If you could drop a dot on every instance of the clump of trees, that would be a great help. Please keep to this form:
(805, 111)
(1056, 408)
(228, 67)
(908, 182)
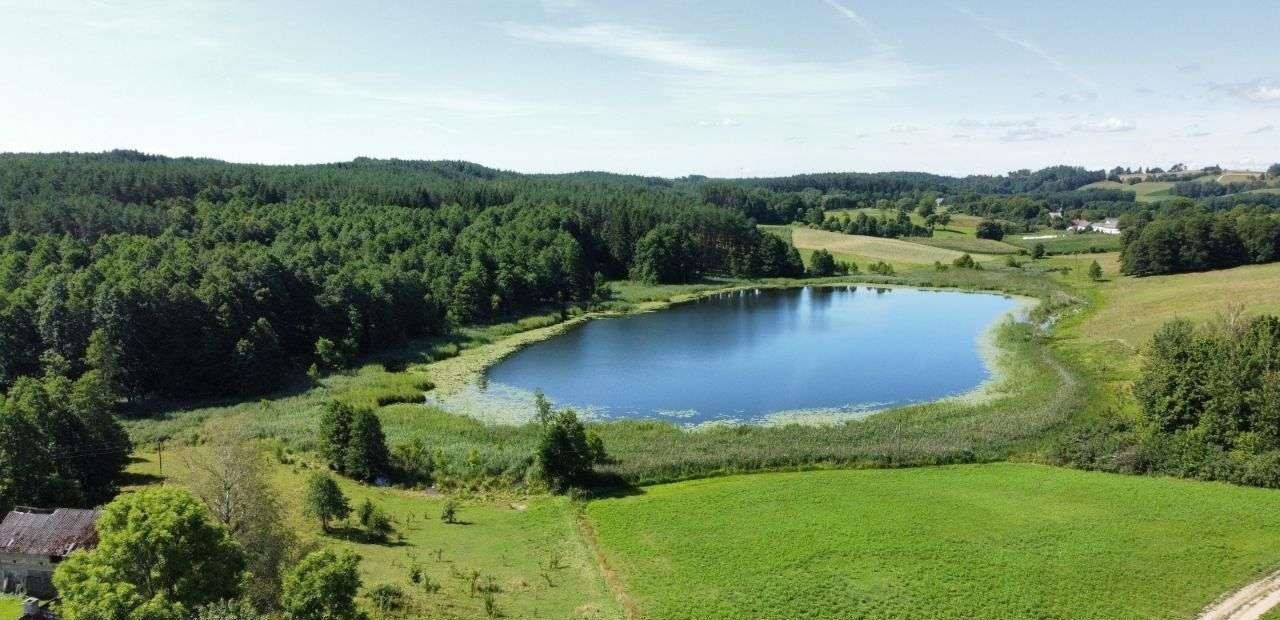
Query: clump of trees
(60, 444)
(884, 225)
(989, 229)
(567, 452)
(352, 442)
(1210, 398)
(1198, 241)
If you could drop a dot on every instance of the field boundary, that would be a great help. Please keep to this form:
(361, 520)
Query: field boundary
(588, 532)
(1248, 603)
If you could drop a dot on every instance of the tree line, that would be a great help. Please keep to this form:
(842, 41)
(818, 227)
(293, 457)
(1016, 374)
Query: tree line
(196, 277)
(1210, 399)
(1197, 240)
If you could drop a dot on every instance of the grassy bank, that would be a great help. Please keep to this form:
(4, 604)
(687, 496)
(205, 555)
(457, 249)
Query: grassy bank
(985, 541)
(527, 549)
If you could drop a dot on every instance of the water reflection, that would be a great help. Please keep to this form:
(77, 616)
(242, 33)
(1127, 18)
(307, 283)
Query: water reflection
(745, 354)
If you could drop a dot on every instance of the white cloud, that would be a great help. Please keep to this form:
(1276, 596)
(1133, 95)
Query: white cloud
(990, 25)
(722, 122)
(699, 66)
(905, 129)
(870, 31)
(1029, 134)
(1257, 91)
(1078, 97)
(1263, 129)
(995, 122)
(1106, 125)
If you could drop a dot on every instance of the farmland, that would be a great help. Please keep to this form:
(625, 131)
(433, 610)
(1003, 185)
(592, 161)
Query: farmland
(991, 541)
(1060, 242)
(863, 248)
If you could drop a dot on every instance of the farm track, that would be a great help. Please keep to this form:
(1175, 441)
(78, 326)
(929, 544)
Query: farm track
(611, 577)
(1248, 603)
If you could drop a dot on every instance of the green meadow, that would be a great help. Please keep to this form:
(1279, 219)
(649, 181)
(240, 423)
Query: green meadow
(987, 541)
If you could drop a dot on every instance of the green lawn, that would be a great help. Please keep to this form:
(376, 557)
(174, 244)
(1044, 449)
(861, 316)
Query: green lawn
(1065, 242)
(10, 607)
(979, 541)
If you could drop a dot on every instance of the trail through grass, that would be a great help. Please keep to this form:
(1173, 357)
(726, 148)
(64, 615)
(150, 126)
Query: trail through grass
(983, 541)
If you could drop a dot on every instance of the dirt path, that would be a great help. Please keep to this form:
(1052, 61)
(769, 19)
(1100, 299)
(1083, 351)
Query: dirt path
(629, 606)
(1247, 603)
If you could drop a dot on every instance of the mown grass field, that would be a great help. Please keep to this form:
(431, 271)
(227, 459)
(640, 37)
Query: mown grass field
(529, 547)
(1146, 191)
(1065, 242)
(983, 541)
(1134, 308)
(10, 607)
(870, 249)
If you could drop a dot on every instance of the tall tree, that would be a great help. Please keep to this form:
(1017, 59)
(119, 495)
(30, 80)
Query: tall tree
(159, 556)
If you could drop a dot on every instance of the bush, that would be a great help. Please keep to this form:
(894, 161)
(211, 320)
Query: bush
(387, 597)
(990, 229)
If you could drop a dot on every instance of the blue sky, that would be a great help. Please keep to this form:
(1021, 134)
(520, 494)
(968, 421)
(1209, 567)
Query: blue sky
(661, 87)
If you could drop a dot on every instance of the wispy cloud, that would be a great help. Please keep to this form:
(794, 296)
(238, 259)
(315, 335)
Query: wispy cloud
(1263, 129)
(1257, 91)
(995, 122)
(1105, 125)
(721, 122)
(872, 34)
(1030, 134)
(693, 65)
(451, 100)
(991, 26)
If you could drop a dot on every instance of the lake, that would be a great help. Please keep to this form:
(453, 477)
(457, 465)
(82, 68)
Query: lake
(758, 355)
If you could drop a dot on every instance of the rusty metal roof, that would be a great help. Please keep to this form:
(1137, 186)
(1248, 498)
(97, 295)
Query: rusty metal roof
(48, 532)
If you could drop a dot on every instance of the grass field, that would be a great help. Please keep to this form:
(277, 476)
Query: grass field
(1135, 307)
(10, 607)
(529, 546)
(1067, 243)
(985, 541)
(1146, 191)
(870, 249)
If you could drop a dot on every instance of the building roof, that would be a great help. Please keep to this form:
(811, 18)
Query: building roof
(48, 532)
(1110, 222)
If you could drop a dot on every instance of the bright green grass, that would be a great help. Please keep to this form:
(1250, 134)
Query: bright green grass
(1146, 191)
(964, 243)
(10, 607)
(985, 541)
(1067, 243)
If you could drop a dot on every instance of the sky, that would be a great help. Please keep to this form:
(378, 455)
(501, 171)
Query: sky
(661, 87)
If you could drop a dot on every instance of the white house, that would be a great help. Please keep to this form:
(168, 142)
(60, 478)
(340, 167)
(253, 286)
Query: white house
(1109, 226)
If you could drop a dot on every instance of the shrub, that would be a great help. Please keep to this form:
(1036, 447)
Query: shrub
(387, 597)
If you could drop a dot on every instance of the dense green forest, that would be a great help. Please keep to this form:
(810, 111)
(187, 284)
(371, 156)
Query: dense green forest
(182, 277)
(1197, 240)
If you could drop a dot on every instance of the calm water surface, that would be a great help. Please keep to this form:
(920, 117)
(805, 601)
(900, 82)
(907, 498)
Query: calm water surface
(746, 355)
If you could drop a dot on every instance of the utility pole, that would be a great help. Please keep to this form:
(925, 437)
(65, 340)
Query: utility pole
(160, 455)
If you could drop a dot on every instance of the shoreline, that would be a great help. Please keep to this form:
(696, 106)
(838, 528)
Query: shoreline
(454, 377)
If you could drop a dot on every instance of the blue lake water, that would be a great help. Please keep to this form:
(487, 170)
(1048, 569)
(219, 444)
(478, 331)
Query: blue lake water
(746, 356)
